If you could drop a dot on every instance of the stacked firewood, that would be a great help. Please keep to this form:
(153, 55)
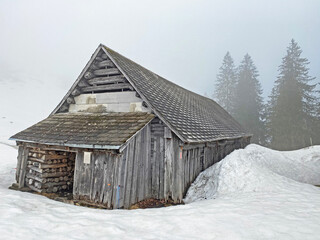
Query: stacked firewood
(50, 171)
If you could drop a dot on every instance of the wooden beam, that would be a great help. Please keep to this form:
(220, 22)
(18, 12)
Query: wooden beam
(46, 147)
(35, 189)
(24, 158)
(55, 157)
(20, 151)
(105, 63)
(94, 66)
(70, 100)
(104, 56)
(82, 83)
(64, 108)
(34, 177)
(108, 71)
(106, 80)
(167, 133)
(88, 75)
(75, 92)
(36, 169)
(51, 147)
(193, 146)
(107, 87)
(37, 160)
(144, 104)
(42, 166)
(55, 174)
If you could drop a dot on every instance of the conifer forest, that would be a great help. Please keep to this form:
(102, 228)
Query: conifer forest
(289, 118)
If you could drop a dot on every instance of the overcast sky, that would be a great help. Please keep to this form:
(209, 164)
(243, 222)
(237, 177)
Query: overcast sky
(183, 41)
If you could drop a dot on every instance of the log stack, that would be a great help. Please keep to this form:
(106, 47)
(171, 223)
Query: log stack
(50, 171)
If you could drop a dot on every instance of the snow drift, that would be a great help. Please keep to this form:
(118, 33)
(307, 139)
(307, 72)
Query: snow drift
(258, 169)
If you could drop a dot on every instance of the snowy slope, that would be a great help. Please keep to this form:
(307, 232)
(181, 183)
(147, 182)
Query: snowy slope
(259, 201)
(25, 100)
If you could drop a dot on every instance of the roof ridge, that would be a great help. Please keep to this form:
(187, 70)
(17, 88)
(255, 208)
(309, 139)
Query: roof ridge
(109, 49)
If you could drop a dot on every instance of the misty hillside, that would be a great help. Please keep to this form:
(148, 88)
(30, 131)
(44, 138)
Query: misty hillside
(26, 100)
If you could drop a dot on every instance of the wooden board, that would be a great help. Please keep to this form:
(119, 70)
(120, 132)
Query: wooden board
(19, 159)
(109, 181)
(135, 169)
(168, 169)
(22, 175)
(106, 80)
(108, 71)
(129, 174)
(107, 87)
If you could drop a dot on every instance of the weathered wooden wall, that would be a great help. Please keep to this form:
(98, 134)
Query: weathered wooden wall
(196, 158)
(120, 180)
(157, 159)
(116, 180)
(184, 162)
(154, 164)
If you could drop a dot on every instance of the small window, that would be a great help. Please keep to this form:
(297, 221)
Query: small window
(86, 157)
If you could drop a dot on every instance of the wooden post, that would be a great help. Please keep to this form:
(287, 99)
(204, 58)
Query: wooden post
(23, 166)
(20, 150)
(168, 158)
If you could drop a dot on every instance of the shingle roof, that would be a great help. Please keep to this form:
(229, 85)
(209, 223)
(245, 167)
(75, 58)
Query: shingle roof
(108, 131)
(193, 117)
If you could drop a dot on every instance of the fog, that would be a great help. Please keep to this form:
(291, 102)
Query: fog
(183, 41)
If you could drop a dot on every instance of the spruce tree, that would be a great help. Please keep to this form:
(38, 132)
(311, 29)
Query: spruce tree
(226, 83)
(249, 103)
(292, 117)
(317, 138)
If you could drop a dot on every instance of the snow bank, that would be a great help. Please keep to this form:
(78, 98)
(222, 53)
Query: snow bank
(259, 169)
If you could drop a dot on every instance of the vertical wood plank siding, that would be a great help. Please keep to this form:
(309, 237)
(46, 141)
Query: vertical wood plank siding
(154, 164)
(19, 158)
(22, 165)
(117, 180)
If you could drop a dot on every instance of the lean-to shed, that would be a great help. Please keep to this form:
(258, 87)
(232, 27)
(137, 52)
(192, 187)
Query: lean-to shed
(123, 134)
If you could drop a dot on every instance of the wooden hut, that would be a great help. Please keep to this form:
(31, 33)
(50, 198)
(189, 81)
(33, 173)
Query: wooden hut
(123, 134)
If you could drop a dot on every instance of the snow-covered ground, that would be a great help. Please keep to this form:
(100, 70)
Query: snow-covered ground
(254, 193)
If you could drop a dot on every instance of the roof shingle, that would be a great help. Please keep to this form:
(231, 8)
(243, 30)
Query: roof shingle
(194, 117)
(85, 129)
